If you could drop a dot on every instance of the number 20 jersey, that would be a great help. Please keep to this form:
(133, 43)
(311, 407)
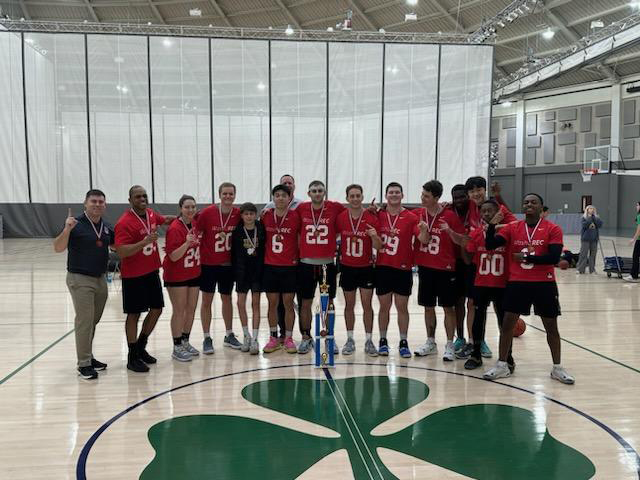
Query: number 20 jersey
(492, 266)
(397, 239)
(214, 249)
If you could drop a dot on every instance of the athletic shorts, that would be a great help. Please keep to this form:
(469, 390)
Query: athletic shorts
(220, 275)
(393, 280)
(140, 294)
(483, 296)
(352, 278)
(436, 287)
(277, 279)
(310, 276)
(519, 297)
(465, 277)
(192, 282)
(253, 284)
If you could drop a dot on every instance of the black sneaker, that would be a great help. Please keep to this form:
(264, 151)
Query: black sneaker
(465, 352)
(137, 365)
(473, 363)
(146, 358)
(98, 365)
(383, 347)
(88, 373)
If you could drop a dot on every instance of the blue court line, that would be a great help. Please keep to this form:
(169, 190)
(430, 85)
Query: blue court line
(81, 467)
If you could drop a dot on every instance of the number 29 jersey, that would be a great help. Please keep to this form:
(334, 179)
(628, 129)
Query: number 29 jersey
(396, 232)
(187, 266)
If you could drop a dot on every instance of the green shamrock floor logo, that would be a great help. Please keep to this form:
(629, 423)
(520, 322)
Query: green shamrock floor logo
(485, 441)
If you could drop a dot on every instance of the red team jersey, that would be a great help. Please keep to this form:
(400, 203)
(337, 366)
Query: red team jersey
(356, 247)
(492, 266)
(318, 239)
(440, 252)
(131, 229)
(396, 232)
(515, 234)
(281, 242)
(216, 250)
(475, 219)
(187, 266)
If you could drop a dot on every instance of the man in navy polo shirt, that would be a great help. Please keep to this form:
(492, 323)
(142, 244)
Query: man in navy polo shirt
(87, 237)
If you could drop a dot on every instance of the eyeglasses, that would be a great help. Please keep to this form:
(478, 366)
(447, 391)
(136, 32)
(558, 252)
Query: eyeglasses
(317, 190)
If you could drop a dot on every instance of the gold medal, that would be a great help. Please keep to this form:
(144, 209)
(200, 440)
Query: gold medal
(251, 251)
(531, 249)
(221, 235)
(278, 237)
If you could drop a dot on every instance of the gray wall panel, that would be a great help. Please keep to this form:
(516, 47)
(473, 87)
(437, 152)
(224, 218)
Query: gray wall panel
(533, 142)
(603, 110)
(590, 140)
(585, 119)
(509, 122)
(511, 157)
(548, 149)
(532, 124)
(548, 116)
(495, 129)
(511, 138)
(567, 138)
(629, 112)
(631, 131)
(567, 114)
(570, 154)
(627, 149)
(531, 156)
(605, 127)
(547, 127)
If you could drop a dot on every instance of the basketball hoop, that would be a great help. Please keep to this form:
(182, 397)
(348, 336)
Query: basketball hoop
(587, 173)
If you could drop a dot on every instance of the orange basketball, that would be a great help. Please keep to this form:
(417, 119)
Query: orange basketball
(519, 328)
(563, 264)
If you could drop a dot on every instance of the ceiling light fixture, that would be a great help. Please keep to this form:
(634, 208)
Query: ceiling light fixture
(548, 34)
(289, 30)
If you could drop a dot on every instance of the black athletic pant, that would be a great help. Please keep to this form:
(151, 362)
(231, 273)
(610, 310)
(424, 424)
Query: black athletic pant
(482, 298)
(635, 266)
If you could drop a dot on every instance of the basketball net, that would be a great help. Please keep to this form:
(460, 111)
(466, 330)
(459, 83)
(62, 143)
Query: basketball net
(587, 173)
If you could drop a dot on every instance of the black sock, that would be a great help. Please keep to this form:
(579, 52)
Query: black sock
(132, 347)
(185, 336)
(476, 349)
(177, 340)
(142, 340)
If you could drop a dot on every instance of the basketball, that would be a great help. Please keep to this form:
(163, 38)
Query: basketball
(519, 328)
(563, 264)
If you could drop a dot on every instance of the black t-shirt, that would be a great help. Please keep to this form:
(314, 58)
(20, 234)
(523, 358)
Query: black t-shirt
(85, 256)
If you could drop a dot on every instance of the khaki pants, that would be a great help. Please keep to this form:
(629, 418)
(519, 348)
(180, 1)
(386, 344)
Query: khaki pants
(89, 296)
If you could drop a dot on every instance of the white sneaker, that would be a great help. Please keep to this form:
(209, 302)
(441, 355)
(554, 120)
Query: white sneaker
(246, 344)
(560, 374)
(428, 348)
(449, 352)
(629, 278)
(501, 370)
(254, 349)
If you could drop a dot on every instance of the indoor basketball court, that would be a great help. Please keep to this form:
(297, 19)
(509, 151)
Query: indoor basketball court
(311, 100)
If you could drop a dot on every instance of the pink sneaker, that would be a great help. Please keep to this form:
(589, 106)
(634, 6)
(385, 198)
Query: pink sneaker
(272, 345)
(290, 346)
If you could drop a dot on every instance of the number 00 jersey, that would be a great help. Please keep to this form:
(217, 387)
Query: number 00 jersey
(492, 266)
(356, 247)
(187, 266)
(396, 232)
(132, 229)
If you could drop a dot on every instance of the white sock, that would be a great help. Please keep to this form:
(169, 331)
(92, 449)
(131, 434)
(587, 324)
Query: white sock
(245, 330)
(255, 333)
(403, 336)
(368, 336)
(431, 339)
(383, 334)
(350, 334)
(207, 335)
(557, 365)
(229, 332)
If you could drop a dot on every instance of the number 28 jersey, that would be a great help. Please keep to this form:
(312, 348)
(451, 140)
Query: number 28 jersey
(492, 266)
(396, 232)
(187, 266)
(440, 252)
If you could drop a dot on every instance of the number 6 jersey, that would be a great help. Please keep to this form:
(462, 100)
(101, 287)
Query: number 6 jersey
(492, 266)
(186, 267)
(281, 243)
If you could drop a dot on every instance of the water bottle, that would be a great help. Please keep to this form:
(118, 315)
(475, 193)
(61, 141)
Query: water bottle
(109, 277)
